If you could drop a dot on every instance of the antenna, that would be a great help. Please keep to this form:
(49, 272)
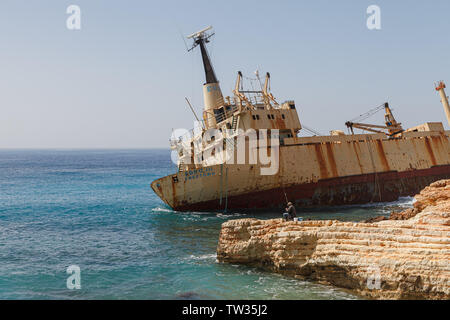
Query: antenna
(200, 36)
(259, 79)
(200, 39)
(199, 33)
(182, 37)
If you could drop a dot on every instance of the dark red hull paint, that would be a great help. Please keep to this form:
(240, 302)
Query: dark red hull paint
(385, 186)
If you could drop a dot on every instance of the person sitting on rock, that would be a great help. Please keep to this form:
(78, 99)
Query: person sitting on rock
(290, 213)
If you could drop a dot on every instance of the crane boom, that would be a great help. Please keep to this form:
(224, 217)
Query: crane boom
(391, 127)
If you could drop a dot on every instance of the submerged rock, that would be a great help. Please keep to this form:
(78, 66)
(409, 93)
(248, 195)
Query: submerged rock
(405, 257)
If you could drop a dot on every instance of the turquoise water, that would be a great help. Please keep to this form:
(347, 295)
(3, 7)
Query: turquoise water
(95, 209)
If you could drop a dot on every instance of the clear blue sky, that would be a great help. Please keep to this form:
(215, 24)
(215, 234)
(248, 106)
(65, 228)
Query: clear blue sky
(121, 80)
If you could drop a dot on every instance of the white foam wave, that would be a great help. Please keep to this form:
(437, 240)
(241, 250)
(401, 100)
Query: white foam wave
(203, 257)
(230, 215)
(402, 201)
(162, 210)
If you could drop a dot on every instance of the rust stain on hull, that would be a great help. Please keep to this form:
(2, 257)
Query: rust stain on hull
(174, 192)
(382, 155)
(321, 161)
(357, 150)
(280, 123)
(430, 151)
(438, 142)
(332, 160)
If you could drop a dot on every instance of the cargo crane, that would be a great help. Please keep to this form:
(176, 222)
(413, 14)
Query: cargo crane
(392, 127)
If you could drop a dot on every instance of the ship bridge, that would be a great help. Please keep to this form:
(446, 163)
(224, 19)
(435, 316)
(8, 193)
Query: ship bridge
(257, 109)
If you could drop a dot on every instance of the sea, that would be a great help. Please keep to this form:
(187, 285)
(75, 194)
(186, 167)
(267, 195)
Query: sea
(94, 210)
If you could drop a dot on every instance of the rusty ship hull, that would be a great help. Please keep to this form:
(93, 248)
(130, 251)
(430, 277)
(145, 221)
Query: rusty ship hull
(382, 164)
(317, 171)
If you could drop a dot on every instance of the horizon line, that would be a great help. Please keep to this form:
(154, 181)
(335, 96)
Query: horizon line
(84, 148)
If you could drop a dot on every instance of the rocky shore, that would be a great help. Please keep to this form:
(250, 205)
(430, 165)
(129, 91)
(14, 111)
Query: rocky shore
(404, 257)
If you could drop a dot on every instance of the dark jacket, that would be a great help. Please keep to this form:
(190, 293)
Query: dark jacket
(291, 211)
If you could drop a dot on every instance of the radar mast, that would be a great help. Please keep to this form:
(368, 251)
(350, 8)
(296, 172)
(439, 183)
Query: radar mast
(200, 39)
(212, 94)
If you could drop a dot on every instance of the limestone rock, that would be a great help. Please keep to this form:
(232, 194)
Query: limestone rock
(377, 219)
(390, 259)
